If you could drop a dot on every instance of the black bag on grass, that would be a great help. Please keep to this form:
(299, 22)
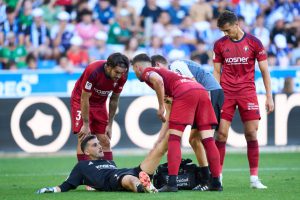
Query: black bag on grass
(188, 175)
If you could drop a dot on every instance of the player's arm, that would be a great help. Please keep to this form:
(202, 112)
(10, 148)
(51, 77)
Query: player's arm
(158, 85)
(85, 107)
(73, 180)
(113, 105)
(263, 66)
(217, 71)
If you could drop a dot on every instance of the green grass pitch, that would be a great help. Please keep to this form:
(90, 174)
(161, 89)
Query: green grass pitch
(21, 177)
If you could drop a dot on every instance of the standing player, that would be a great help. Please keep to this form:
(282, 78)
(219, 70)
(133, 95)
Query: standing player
(235, 54)
(88, 100)
(101, 174)
(190, 104)
(206, 79)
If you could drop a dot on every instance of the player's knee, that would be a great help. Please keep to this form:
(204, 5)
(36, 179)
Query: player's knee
(193, 141)
(222, 135)
(251, 135)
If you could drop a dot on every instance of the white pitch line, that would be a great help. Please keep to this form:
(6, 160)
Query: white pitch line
(225, 170)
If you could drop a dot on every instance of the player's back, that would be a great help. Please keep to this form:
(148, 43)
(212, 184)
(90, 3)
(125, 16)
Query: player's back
(175, 84)
(197, 71)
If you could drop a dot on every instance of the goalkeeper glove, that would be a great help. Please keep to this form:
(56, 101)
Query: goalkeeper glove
(47, 190)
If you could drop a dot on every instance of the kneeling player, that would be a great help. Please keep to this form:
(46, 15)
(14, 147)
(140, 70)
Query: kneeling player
(102, 175)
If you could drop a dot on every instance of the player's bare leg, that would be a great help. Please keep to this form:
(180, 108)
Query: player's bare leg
(105, 143)
(250, 129)
(195, 142)
(221, 138)
(152, 160)
(134, 184)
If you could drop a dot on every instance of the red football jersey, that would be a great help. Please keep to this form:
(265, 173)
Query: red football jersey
(94, 80)
(238, 64)
(175, 84)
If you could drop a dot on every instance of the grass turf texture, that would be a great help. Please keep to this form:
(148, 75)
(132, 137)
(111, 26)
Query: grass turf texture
(21, 177)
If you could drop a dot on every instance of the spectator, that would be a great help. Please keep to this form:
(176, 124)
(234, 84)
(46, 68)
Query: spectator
(11, 25)
(132, 48)
(13, 53)
(177, 12)
(295, 53)
(201, 12)
(200, 54)
(52, 12)
(261, 32)
(77, 56)
(150, 10)
(281, 50)
(64, 64)
(119, 32)
(220, 7)
(177, 49)
(31, 61)
(124, 9)
(37, 37)
(100, 51)
(163, 28)
(61, 34)
(87, 29)
(25, 17)
(189, 32)
(288, 87)
(249, 9)
(272, 60)
(155, 47)
(2, 11)
(210, 35)
(104, 12)
(244, 26)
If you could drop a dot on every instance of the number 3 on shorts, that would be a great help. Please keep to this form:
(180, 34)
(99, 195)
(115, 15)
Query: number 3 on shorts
(78, 116)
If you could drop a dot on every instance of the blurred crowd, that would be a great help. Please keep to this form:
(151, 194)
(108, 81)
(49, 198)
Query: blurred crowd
(68, 34)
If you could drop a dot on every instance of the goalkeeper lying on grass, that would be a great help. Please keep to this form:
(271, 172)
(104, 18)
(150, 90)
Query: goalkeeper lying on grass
(102, 175)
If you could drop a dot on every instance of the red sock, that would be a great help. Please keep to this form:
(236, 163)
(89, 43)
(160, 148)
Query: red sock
(108, 155)
(213, 156)
(222, 150)
(82, 157)
(253, 157)
(174, 154)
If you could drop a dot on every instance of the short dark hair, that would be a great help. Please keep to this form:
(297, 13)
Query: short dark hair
(158, 58)
(9, 10)
(85, 141)
(226, 17)
(141, 58)
(118, 59)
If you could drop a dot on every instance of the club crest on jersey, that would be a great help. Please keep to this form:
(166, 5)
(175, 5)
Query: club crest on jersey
(88, 85)
(246, 48)
(115, 84)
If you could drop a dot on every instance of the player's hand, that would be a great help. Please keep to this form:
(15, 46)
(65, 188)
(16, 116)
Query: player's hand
(84, 131)
(161, 113)
(168, 100)
(269, 105)
(46, 190)
(108, 131)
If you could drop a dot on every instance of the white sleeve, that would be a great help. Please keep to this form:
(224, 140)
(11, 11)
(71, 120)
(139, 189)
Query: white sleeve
(181, 68)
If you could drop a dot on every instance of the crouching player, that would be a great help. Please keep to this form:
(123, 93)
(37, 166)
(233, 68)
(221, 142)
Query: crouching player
(103, 175)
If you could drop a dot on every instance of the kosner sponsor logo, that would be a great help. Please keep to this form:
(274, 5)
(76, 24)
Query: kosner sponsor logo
(236, 60)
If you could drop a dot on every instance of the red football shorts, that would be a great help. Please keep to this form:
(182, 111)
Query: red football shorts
(248, 108)
(98, 118)
(191, 107)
